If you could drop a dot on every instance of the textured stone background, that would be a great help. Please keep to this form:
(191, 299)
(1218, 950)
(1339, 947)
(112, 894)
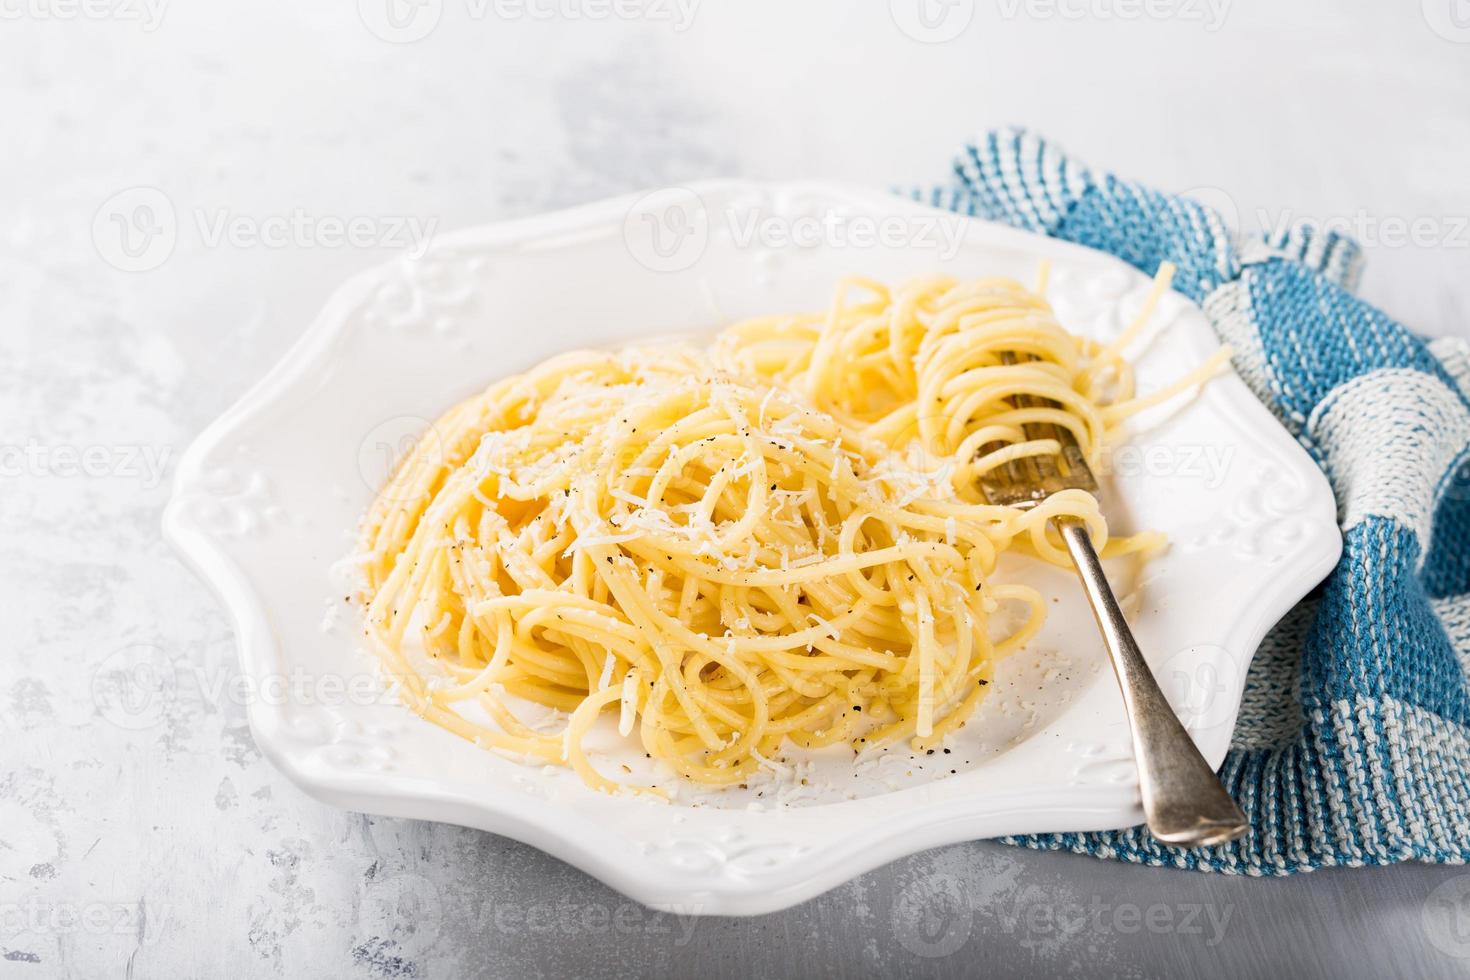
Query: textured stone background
(165, 846)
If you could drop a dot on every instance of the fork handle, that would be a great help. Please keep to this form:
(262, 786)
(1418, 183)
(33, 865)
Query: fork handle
(1183, 801)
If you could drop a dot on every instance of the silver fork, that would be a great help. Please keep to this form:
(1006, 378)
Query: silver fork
(1183, 801)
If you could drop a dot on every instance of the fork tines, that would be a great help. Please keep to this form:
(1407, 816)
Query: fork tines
(1027, 481)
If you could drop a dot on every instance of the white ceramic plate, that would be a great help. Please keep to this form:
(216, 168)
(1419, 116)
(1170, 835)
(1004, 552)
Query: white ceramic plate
(267, 499)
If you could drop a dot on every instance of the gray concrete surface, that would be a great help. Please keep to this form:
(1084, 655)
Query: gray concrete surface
(174, 850)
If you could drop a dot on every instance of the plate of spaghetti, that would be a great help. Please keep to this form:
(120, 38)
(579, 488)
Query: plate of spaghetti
(652, 534)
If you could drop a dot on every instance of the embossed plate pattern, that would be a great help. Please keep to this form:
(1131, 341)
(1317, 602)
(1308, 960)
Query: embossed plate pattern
(266, 501)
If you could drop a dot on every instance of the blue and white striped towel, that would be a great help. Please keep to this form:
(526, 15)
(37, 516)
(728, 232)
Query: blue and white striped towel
(1353, 743)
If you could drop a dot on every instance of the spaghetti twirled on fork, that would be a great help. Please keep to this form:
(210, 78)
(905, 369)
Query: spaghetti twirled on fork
(777, 539)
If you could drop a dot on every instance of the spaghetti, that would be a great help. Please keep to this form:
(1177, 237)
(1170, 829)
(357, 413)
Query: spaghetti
(779, 539)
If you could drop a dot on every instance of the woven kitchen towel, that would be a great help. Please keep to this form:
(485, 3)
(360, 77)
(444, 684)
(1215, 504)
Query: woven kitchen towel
(1353, 744)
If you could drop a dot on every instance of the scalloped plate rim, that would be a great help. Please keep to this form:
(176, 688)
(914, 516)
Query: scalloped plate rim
(584, 843)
